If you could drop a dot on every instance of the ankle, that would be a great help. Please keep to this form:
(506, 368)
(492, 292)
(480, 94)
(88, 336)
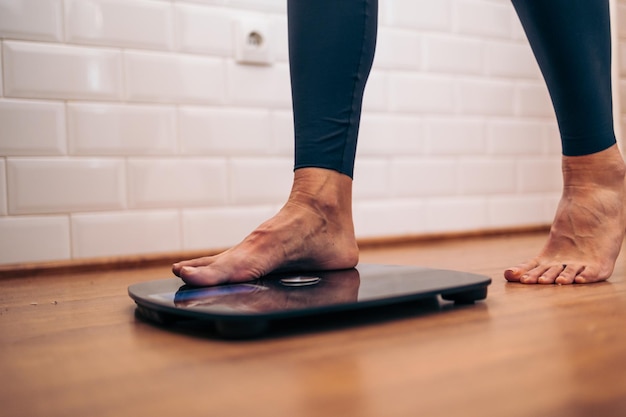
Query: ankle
(605, 169)
(322, 190)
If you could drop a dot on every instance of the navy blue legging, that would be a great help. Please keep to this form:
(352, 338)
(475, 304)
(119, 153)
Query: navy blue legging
(331, 50)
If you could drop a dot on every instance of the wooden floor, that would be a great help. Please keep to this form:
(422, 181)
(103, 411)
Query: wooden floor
(71, 346)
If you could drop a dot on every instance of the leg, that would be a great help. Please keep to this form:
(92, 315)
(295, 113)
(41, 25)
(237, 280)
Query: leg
(331, 49)
(571, 41)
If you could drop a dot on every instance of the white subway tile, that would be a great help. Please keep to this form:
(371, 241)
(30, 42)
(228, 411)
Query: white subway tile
(532, 99)
(117, 129)
(478, 17)
(622, 57)
(161, 77)
(158, 182)
(37, 70)
(419, 14)
(201, 29)
(553, 139)
(261, 5)
(376, 96)
(283, 132)
(32, 128)
(420, 93)
(398, 49)
(486, 97)
(453, 54)
(3, 188)
(511, 59)
(280, 38)
(260, 180)
(224, 131)
(621, 19)
(487, 176)
(53, 185)
(125, 233)
(540, 175)
(125, 23)
(371, 178)
(221, 227)
(517, 30)
(516, 137)
(453, 214)
(389, 218)
(255, 85)
(455, 136)
(419, 177)
(31, 19)
(34, 239)
(517, 210)
(390, 134)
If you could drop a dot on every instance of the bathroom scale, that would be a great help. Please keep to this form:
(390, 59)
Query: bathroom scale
(246, 309)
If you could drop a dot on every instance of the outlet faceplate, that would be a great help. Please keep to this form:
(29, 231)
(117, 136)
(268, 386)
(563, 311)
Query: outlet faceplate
(253, 41)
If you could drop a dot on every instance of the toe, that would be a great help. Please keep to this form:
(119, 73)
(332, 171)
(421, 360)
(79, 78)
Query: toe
(568, 274)
(589, 274)
(532, 276)
(515, 274)
(551, 274)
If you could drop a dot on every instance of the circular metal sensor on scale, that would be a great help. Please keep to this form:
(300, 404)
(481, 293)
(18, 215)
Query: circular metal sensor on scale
(300, 281)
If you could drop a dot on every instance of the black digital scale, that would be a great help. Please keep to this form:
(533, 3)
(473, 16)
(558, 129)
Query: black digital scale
(247, 309)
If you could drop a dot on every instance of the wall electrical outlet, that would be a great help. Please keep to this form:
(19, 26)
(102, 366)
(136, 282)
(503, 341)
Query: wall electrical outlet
(253, 41)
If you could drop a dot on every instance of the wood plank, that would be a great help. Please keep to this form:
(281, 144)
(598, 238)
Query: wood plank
(71, 345)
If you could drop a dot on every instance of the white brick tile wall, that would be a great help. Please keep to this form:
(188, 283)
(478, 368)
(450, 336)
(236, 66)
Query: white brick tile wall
(114, 22)
(493, 97)
(420, 177)
(453, 54)
(125, 233)
(515, 137)
(3, 188)
(129, 123)
(205, 30)
(412, 92)
(38, 70)
(389, 218)
(261, 5)
(517, 210)
(508, 59)
(487, 176)
(220, 227)
(532, 99)
(390, 134)
(480, 17)
(264, 86)
(539, 175)
(371, 178)
(455, 136)
(172, 78)
(34, 239)
(31, 19)
(60, 185)
(119, 129)
(156, 182)
(453, 214)
(376, 97)
(398, 49)
(225, 131)
(32, 128)
(419, 14)
(282, 133)
(279, 38)
(260, 180)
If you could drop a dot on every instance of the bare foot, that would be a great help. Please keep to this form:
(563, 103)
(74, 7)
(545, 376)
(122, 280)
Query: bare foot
(313, 231)
(588, 229)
